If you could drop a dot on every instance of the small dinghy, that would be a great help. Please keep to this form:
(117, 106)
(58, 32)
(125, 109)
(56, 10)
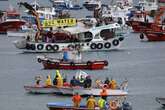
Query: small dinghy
(160, 100)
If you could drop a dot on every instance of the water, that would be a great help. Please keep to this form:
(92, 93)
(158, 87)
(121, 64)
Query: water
(142, 63)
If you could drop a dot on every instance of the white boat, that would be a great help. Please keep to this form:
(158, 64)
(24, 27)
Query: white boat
(148, 5)
(107, 37)
(94, 91)
(41, 89)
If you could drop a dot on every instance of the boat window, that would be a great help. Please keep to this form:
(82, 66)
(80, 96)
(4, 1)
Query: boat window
(88, 36)
(13, 17)
(107, 33)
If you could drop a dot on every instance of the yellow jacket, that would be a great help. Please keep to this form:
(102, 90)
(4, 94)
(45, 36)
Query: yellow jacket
(91, 103)
(48, 81)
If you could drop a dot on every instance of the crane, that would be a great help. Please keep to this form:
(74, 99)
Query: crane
(33, 12)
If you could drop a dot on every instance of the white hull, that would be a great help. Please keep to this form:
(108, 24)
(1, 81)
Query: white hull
(160, 100)
(16, 34)
(41, 90)
(71, 91)
(94, 91)
(85, 46)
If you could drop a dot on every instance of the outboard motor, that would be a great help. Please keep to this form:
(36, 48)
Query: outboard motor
(127, 106)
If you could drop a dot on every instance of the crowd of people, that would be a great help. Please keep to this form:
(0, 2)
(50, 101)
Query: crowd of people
(101, 103)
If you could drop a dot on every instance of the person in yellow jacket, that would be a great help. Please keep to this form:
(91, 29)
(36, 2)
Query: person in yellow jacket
(101, 103)
(91, 103)
(48, 81)
(59, 79)
(113, 84)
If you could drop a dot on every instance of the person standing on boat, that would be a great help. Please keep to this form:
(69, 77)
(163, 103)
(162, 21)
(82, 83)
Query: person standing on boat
(107, 81)
(74, 81)
(102, 103)
(88, 82)
(91, 103)
(48, 81)
(104, 93)
(76, 99)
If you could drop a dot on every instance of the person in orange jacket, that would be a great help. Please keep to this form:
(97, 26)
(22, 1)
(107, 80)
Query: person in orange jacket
(104, 93)
(76, 99)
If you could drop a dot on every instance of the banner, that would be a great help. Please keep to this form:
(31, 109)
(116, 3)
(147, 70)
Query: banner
(59, 22)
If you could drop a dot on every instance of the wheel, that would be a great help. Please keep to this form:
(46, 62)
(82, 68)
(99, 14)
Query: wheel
(39, 60)
(93, 46)
(55, 48)
(99, 45)
(49, 47)
(33, 47)
(115, 42)
(107, 45)
(121, 38)
(40, 46)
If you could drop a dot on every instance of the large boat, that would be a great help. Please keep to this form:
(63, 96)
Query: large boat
(107, 37)
(54, 63)
(10, 20)
(160, 100)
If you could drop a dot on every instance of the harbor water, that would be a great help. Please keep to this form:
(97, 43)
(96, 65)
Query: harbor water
(142, 63)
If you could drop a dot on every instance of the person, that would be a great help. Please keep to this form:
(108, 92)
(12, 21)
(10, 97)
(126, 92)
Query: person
(101, 103)
(104, 93)
(73, 81)
(81, 80)
(76, 99)
(55, 80)
(113, 84)
(37, 80)
(65, 55)
(48, 81)
(88, 82)
(98, 83)
(91, 103)
(106, 81)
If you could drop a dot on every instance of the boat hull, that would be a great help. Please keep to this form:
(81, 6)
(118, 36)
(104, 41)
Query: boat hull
(11, 25)
(95, 65)
(90, 7)
(111, 44)
(66, 106)
(153, 36)
(41, 90)
(72, 90)
(160, 100)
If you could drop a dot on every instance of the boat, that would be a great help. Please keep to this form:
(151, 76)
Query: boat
(54, 63)
(107, 37)
(66, 106)
(10, 20)
(42, 89)
(91, 5)
(60, 5)
(120, 103)
(160, 100)
(157, 29)
(67, 89)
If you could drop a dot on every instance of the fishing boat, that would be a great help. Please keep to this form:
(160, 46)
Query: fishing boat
(69, 89)
(107, 37)
(66, 106)
(60, 5)
(10, 20)
(118, 102)
(54, 63)
(160, 100)
(42, 89)
(91, 5)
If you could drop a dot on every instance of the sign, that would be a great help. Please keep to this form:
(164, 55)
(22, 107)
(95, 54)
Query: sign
(59, 22)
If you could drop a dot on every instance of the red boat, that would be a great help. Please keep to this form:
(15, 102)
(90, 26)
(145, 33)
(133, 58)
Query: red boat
(51, 63)
(10, 20)
(153, 36)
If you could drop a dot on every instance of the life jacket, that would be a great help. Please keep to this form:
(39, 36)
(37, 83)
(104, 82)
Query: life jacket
(101, 103)
(91, 102)
(76, 98)
(48, 81)
(103, 92)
